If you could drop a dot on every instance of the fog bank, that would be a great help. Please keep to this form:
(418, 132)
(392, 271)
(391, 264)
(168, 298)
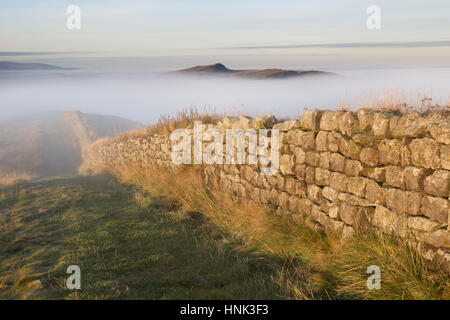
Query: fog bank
(144, 96)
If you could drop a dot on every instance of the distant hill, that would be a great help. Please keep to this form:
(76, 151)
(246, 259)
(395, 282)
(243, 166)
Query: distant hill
(221, 70)
(7, 65)
(54, 143)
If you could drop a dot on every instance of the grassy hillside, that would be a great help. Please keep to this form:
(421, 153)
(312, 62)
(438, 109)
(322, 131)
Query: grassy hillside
(128, 244)
(160, 238)
(52, 143)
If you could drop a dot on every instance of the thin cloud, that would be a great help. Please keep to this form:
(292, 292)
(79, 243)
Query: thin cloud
(37, 53)
(419, 44)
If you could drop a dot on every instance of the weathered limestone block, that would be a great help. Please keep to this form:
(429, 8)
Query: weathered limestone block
(304, 206)
(435, 208)
(357, 186)
(266, 122)
(349, 148)
(369, 156)
(337, 162)
(312, 224)
(413, 178)
(405, 153)
(348, 124)
(375, 193)
(380, 126)
(231, 169)
(333, 212)
(439, 238)
(300, 188)
(300, 171)
(244, 122)
(378, 174)
(330, 121)
(423, 224)
(425, 153)
(441, 132)
(290, 185)
(324, 160)
(314, 193)
(390, 222)
(409, 125)
(311, 120)
(347, 233)
(310, 175)
(322, 176)
(334, 141)
(438, 184)
(445, 157)
(228, 122)
(389, 151)
(306, 140)
(322, 141)
(317, 215)
(300, 155)
(394, 176)
(353, 167)
(365, 119)
(358, 217)
(354, 200)
(407, 202)
(286, 125)
(338, 181)
(330, 194)
(287, 164)
(366, 139)
(280, 182)
(293, 203)
(312, 158)
(325, 205)
(285, 148)
(273, 181)
(334, 227)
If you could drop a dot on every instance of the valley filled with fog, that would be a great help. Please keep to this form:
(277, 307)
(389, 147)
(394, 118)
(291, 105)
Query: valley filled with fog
(143, 96)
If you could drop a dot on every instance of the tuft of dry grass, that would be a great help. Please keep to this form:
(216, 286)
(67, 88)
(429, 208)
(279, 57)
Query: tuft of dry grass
(397, 99)
(168, 122)
(311, 265)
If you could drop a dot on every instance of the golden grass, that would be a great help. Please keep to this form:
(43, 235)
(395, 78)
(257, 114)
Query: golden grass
(313, 266)
(168, 123)
(397, 99)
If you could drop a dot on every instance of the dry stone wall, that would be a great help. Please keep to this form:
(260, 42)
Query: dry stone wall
(340, 172)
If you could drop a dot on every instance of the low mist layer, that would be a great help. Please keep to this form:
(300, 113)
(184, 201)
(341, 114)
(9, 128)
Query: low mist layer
(144, 96)
(53, 143)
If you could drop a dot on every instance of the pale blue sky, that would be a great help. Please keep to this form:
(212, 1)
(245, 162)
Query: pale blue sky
(223, 28)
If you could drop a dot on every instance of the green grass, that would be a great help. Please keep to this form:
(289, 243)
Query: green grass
(128, 244)
(167, 237)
